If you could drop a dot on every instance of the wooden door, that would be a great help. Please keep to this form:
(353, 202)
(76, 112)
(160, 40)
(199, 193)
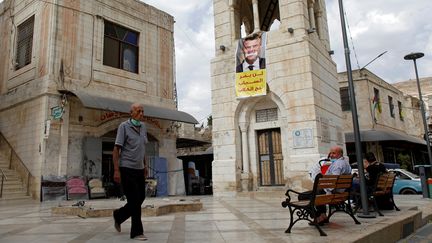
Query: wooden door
(270, 157)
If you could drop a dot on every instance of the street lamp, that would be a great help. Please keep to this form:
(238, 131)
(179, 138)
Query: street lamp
(357, 139)
(414, 56)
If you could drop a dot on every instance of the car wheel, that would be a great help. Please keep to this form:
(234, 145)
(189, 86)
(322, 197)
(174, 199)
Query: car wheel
(408, 191)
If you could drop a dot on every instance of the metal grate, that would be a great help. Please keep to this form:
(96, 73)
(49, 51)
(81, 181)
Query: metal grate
(24, 43)
(345, 99)
(266, 115)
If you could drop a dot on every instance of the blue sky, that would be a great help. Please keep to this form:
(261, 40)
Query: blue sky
(397, 26)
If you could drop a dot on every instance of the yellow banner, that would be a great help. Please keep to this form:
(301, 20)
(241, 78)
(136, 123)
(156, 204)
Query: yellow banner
(251, 83)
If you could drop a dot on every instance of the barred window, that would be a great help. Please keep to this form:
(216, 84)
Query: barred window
(391, 106)
(345, 102)
(24, 43)
(266, 115)
(120, 47)
(401, 115)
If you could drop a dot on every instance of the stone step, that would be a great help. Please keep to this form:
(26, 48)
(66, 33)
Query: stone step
(4, 165)
(7, 192)
(12, 182)
(4, 159)
(8, 172)
(11, 177)
(13, 188)
(7, 197)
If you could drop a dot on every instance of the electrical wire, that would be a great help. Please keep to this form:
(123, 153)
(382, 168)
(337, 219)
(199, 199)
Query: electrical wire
(352, 41)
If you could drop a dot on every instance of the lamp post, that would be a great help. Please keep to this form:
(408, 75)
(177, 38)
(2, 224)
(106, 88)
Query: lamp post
(414, 56)
(363, 193)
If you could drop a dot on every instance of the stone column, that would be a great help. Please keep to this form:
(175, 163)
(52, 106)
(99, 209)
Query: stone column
(311, 16)
(233, 9)
(256, 15)
(245, 178)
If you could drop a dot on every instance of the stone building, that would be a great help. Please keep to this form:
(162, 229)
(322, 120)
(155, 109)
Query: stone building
(409, 87)
(68, 73)
(270, 141)
(390, 120)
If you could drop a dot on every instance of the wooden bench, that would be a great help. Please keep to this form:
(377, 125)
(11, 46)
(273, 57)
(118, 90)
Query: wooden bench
(383, 188)
(338, 200)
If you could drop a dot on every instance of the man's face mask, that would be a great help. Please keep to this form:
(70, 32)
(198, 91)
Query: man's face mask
(135, 122)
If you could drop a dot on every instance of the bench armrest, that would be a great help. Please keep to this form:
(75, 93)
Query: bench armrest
(291, 193)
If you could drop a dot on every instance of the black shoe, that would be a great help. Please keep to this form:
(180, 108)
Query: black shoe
(116, 225)
(319, 223)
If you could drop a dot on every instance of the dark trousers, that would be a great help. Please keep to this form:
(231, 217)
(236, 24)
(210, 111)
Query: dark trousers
(133, 183)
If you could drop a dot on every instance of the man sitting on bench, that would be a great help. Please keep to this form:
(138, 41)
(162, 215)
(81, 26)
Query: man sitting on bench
(373, 169)
(339, 166)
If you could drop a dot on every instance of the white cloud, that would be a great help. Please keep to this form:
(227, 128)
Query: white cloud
(399, 27)
(376, 26)
(194, 48)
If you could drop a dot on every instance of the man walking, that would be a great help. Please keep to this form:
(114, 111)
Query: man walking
(129, 170)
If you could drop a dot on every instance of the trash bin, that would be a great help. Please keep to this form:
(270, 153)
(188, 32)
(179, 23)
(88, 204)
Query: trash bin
(429, 182)
(424, 170)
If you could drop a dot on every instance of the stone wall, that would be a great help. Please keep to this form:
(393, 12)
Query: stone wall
(302, 85)
(67, 55)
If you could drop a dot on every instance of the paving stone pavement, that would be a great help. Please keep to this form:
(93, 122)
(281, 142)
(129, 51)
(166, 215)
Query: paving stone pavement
(422, 235)
(238, 219)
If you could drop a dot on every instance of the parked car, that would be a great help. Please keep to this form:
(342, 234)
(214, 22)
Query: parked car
(389, 166)
(406, 182)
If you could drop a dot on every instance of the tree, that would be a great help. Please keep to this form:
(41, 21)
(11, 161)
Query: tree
(209, 121)
(405, 161)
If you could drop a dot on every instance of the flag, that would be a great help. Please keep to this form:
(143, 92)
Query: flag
(376, 107)
(376, 104)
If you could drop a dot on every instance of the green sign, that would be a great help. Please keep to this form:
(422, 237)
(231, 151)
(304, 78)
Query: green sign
(57, 112)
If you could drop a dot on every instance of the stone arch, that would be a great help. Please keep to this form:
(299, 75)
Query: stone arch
(108, 126)
(245, 106)
(113, 125)
(247, 128)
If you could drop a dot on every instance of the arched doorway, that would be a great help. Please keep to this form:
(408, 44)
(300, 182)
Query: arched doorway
(261, 129)
(108, 140)
(270, 157)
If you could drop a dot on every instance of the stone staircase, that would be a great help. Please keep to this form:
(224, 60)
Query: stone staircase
(13, 188)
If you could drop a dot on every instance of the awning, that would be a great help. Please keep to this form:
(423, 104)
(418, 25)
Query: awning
(382, 135)
(207, 152)
(104, 103)
(186, 143)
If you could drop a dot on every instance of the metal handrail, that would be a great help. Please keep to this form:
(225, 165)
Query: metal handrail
(4, 177)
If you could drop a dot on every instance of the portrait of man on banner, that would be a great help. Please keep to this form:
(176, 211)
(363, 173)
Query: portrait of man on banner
(251, 65)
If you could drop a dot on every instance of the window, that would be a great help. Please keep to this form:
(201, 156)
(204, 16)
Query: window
(401, 115)
(266, 115)
(120, 47)
(391, 106)
(344, 95)
(24, 43)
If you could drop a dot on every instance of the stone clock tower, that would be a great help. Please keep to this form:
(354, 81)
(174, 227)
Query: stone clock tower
(269, 142)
